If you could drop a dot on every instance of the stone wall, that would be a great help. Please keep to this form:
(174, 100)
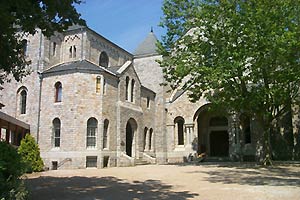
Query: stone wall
(80, 101)
(31, 83)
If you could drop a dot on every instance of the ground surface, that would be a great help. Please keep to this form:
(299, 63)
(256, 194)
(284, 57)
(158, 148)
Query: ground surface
(172, 182)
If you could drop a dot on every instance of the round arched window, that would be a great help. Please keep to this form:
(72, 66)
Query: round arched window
(103, 59)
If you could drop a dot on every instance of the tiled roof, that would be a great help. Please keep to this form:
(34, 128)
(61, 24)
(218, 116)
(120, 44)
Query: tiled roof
(148, 46)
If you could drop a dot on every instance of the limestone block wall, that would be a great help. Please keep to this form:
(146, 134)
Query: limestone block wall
(109, 109)
(72, 46)
(95, 44)
(182, 107)
(10, 95)
(53, 50)
(80, 101)
(151, 76)
(148, 136)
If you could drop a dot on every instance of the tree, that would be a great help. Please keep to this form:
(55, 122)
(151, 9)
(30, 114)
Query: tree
(241, 55)
(11, 168)
(30, 154)
(21, 17)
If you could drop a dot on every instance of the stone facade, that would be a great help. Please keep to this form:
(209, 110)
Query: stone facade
(116, 114)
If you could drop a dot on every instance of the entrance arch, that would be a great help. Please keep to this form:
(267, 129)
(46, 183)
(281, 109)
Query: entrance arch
(131, 128)
(212, 128)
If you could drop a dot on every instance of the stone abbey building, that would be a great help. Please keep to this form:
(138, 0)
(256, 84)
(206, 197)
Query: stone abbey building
(90, 103)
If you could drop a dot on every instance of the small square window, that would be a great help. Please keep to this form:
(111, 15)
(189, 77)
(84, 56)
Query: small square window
(91, 161)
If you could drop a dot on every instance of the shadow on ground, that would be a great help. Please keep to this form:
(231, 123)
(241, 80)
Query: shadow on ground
(104, 188)
(251, 174)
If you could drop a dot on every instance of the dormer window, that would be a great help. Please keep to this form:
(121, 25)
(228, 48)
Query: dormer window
(103, 59)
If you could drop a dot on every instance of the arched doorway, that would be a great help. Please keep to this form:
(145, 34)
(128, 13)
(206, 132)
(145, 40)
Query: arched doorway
(131, 128)
(213, 137)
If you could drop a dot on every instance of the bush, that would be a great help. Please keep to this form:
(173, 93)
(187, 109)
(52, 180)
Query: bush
(30, 154)
(11, 168)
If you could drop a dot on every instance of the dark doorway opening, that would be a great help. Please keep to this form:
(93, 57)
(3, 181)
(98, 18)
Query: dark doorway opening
(105, 161)
(219, 144)
(54, 165)
(129, 138)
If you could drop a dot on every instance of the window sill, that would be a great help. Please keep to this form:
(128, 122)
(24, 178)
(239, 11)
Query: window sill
(91, 148)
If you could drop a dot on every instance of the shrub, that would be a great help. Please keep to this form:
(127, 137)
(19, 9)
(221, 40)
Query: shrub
(11, 168)
(30, 154)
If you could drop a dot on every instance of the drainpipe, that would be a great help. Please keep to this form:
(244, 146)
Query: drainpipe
(39, 106)
(40, 88)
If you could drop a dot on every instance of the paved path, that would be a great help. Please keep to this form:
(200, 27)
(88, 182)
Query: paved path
(172, 182)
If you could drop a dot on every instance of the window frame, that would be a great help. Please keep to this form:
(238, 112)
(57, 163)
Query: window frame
(103, 59)
(23, 101)
(105, 139)
(56, 126)
(91, 134)
(58, 92)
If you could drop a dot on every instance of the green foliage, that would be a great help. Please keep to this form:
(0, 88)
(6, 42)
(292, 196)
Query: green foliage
(21, 17)
(240, 55)
(11, 168)
(30, 154)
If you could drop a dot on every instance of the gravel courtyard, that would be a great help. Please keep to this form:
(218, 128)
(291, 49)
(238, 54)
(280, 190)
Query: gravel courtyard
(203, 182)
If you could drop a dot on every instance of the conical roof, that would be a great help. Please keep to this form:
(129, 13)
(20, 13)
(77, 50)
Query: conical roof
(148, 46)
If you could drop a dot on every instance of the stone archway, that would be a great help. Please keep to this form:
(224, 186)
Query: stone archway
(212, 128)
(131, 128)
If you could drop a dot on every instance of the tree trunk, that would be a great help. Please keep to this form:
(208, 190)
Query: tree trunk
(267, 153)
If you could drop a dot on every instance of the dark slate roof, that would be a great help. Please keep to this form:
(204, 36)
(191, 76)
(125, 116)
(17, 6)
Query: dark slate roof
(74, 66)
(147, 47)
(114, 69)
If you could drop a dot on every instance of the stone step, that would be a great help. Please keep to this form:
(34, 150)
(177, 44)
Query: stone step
(140, 162)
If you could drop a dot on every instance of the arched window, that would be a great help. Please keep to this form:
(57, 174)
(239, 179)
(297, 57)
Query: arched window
(56, 132)
(24, 47)
(104, 86)
(54, 49)
(70, 52)
(105, 133)
(103, 59)
(23, 101)
(179, 121)
(132, 90)
(92, 124)
(74, 51)
(148, 102)
(98, 84)
(145, 138)
(150, 138)
(127, 88)
(58, 92)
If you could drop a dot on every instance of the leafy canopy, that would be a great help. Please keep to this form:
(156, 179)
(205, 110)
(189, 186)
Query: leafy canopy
(240, 55)
(21, 17)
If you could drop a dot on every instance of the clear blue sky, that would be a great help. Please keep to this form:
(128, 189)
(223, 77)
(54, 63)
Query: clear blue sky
(124, 22)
